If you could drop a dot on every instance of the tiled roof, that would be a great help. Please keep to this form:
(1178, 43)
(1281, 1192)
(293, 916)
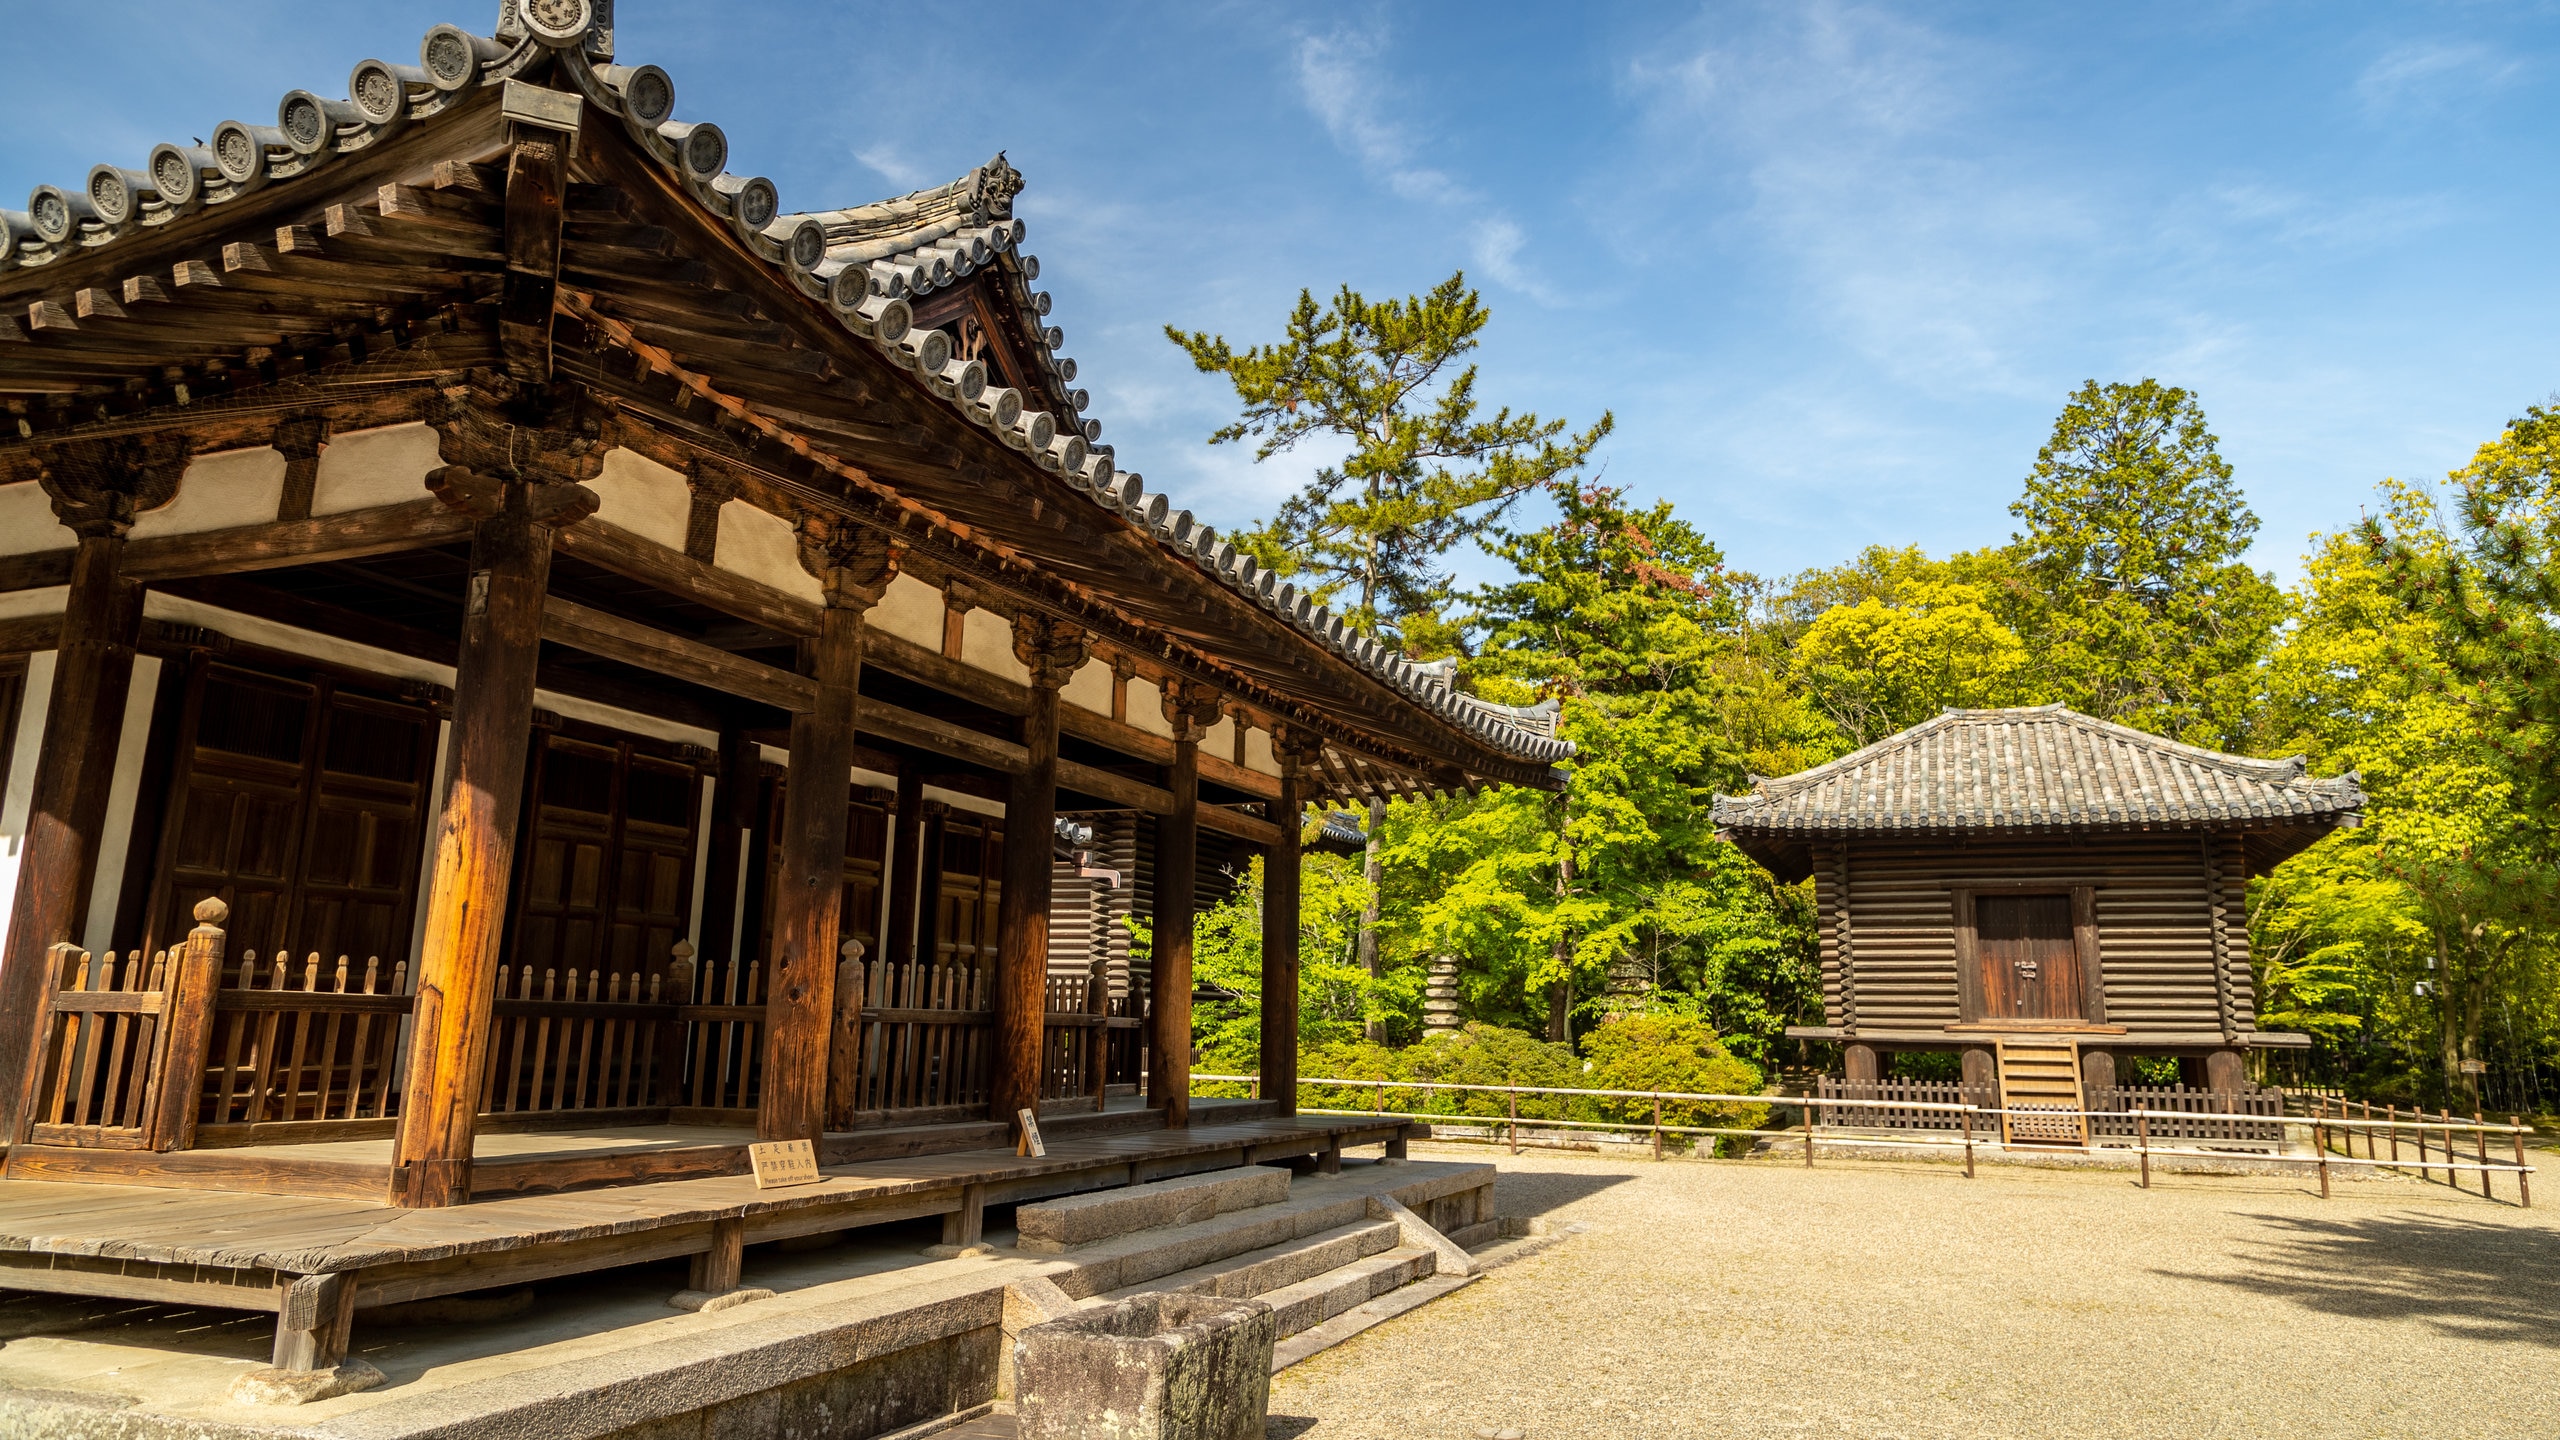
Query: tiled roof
(2032, 768)
(866, 264)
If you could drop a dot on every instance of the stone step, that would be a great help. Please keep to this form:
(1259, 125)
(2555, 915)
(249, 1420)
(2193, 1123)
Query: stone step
(1329, 1333)
(1312, 1301)
(1258, 1272)
(1053, 1227)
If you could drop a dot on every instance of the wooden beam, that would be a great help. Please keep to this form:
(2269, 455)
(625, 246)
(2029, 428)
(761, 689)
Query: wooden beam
(565, 622)
(351, 535)
(537, 181)
(1242, 826)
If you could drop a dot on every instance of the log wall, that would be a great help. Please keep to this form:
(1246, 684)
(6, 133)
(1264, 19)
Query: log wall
(2173, 942)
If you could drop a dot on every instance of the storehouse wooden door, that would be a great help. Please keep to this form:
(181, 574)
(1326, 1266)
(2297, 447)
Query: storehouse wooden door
(2030, 962)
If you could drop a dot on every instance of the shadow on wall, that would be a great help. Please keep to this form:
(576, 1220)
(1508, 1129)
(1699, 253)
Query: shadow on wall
(2480, 1281)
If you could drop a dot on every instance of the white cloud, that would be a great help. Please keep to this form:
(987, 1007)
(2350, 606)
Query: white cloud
(892, 164)
(1343, 81)
(2428, 73)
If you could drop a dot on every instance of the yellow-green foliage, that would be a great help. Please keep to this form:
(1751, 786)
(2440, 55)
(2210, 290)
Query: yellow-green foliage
(1675, 1053)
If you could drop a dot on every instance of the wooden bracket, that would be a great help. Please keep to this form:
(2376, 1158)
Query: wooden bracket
(536, 185)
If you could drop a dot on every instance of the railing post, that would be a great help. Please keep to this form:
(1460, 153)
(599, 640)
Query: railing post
(1515, 1122)
(1964, 1117)
(2142, 1142)
(1808, 1126)
(2320, 1147)
(2482, 1136)
(188, 1029)
(2524, 1184)
(1657, 1125)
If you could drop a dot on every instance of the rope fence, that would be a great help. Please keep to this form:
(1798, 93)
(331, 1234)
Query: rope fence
(2325, 1130)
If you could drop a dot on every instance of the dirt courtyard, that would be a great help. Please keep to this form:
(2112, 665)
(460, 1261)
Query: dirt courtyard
(1882, 1299)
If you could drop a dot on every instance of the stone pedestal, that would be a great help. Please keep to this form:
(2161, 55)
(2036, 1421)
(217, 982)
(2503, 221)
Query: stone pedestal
(1153, 1367)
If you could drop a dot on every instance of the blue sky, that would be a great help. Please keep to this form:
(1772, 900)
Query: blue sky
(1834, 268)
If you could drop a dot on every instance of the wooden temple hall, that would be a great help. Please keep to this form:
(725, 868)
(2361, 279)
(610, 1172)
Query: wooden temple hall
(530, 665)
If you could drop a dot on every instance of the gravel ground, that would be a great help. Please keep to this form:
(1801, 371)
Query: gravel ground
(1897, 1299)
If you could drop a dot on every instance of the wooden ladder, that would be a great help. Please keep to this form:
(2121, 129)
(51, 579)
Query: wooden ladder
(2035, 1075)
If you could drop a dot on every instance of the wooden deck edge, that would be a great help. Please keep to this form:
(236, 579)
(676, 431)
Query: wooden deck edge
(203, 1170)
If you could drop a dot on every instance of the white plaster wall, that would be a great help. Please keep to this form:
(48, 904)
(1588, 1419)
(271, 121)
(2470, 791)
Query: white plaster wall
(910, 610)
(26, 521)
(986, 643)
(644, 497)
(763, 548)
(124, 787)
(19, 799)
(1258, 755)
(1220, 741)
(44, 600)
(1146, 707)
(365, 468)
(1090, 689)
(236, 487)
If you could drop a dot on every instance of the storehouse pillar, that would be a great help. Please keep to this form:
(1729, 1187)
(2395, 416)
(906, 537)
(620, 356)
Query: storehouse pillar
(1052, 650)
(97, 488)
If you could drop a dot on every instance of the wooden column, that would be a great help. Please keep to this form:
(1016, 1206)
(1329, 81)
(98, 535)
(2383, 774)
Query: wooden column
(97, 489)
(733, 812)
(854, 568)
(1280, 892)
(1052, 651)
(475, 844)
(1859, 1061)
(1191, 711)
(906, 869)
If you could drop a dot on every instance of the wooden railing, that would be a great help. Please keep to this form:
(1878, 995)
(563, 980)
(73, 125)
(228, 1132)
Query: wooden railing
(1125, 1061)
(581, 1041)
(107, 1030)
(1072, 1040)
(1902, 1104)
(723, 1033)
(923, 1036)
(297, 1045)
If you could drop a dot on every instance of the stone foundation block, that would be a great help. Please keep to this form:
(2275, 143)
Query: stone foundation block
(265, 1386)
(1153, 1367)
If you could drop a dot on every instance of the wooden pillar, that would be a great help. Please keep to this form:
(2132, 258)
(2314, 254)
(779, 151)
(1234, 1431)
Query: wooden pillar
(1191, 711)
(906, 870)
(1052, 651)
(1860, 1062)
(1981, 1067)
(1280, 895)
(2098, 1069)
(2224, 1072)
(733, 812)
(97, 489)
(854, 568)
(475, 844)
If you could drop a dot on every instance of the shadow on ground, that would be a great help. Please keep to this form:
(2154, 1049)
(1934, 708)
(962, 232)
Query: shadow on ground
(1531, 1193)
(1287, 1427)
(2481, 1280)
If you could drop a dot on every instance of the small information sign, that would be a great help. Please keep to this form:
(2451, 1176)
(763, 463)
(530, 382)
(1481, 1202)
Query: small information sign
(2475, 1067)
(1030, 1144)
(784, 1162)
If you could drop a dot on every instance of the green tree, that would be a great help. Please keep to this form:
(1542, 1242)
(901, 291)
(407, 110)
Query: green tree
(1424, 470)
(1877, 667)
(2138, 605)
(2440, 900)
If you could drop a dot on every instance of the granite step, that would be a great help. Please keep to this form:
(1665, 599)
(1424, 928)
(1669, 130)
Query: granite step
(1053, 1227)
(1312, 1301)
(1258, 1272)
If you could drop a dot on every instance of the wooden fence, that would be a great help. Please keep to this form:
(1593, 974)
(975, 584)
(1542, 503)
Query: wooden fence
(300, 1045)
(924, 1036)
(100, 1035)
(1902, 1104)
(578, 1042)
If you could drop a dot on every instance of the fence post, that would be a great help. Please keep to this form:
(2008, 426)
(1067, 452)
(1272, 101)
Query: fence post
(1657, 1125)
(193, 986)
(1253, 1087)
(2391, 1118)
(2482, 1136)
(1515, 1121)
(2320, 1147)
(1965, 1117)
(1808, 1125)
(2142, 1142)
(2524, 1185)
